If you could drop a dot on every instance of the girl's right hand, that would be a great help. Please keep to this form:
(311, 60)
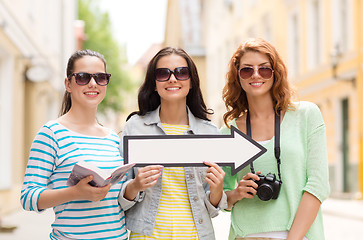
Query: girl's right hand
(81, 191)
(246, 189)
(247, 186)
(146, 177)
(84, 191)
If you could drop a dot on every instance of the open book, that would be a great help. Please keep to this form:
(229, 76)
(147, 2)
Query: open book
(100, 177)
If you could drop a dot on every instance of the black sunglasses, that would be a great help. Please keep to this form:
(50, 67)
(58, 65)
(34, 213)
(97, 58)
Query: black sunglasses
(263, 71)
(180, 73)
(83, 78)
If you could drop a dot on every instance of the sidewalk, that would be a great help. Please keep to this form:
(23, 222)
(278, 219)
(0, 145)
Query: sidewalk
(30, 225)
(343, 219)
(350, 209)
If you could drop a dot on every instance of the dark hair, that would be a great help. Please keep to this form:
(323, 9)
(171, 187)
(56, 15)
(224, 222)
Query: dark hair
(149, 99)
(67, 103)
(235, 97)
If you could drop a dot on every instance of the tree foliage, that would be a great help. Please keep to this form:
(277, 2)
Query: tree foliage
(99, 38)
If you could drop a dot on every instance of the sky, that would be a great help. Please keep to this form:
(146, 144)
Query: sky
(137, 23)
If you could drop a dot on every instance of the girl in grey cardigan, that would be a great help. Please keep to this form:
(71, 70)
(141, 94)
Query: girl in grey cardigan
(182, 201)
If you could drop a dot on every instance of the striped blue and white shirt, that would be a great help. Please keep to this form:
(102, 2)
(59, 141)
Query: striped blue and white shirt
(53, 153)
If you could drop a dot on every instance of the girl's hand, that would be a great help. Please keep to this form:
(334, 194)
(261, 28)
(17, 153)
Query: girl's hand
(146, 177)
(81, 191)
(215, 177)
(84, 191)
(246, 189)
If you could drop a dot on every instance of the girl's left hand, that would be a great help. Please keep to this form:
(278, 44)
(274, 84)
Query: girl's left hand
(215, 177)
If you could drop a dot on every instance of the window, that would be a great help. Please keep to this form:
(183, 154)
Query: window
(251, 32)
(267, 31)
(293, 44)
(6, 90)
(238, 9)
(342, 28)
(314, 33)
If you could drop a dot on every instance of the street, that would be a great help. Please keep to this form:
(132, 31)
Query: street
(343, 219)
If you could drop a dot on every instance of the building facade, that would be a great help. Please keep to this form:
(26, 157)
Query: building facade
(36, 39)
(184, 28)
(321, 41)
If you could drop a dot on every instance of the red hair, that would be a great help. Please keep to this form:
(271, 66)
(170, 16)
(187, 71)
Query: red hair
(234, 96)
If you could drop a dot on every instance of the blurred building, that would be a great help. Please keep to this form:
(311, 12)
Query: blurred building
(184, 29)
(321, 42)
(137, 72)
(36, 39)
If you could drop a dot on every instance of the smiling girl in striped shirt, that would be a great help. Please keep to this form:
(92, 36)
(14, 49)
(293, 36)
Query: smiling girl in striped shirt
(81, 211)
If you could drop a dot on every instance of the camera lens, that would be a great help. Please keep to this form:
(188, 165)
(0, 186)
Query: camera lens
(264, 192)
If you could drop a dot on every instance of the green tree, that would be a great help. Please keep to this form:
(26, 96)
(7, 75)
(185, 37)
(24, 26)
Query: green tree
(99, 38)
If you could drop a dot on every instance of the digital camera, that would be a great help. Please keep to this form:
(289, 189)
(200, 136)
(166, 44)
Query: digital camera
(268, 187)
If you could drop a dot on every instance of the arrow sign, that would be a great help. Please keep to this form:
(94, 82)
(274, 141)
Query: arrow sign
(236, 150)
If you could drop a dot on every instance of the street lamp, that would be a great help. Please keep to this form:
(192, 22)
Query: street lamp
(335, 55)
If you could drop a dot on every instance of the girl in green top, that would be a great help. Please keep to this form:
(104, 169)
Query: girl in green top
(257, 87)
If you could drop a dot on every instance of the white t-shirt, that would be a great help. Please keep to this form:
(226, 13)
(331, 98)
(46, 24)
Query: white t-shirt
(282, 235)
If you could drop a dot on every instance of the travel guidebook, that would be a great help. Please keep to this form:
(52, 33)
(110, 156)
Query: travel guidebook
(101, 177)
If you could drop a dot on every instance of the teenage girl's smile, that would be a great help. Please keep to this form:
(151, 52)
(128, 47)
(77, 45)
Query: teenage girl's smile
(172, 88)
(91, 93)
(256, 84)
(92, 89)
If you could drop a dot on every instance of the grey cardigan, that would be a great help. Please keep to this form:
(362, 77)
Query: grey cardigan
(141, 212)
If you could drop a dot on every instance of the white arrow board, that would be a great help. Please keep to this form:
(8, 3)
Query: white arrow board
(236, 150)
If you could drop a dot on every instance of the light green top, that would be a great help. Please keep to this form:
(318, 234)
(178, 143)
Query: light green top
(304, 167)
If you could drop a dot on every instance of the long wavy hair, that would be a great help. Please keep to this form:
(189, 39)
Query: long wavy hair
(67, 102)
(149, 99)
(234, 96)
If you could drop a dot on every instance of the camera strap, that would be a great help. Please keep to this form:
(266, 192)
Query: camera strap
(277, 140)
